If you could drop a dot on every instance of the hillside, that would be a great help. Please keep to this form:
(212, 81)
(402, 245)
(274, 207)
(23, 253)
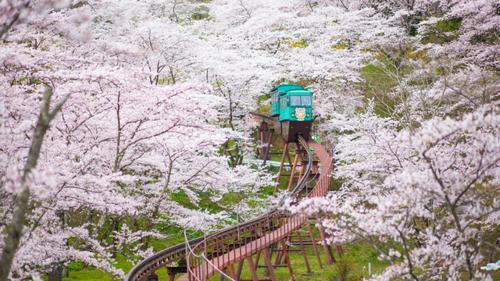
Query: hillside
(124, 123)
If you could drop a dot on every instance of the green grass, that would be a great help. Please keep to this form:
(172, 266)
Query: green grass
(79, 271)
(341, 45)
(302, 43)
(449, 25)
(380, 78)
(355, 257)
(376, 85)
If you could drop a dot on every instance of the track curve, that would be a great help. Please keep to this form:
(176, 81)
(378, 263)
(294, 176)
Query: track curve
(208, 255)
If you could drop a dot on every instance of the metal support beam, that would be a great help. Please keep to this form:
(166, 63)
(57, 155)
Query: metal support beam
(294, 167)
(257, 258)
(314, 246)
(251, 267)
(267, 148)
(240, 269)
(304, 253)
(285, 152)
(230, 271)
(326, 247)
(287, 258)
(269, 264)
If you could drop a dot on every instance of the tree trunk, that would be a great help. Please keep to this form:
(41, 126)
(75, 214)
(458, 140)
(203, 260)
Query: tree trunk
(57, 273)
(15, 228)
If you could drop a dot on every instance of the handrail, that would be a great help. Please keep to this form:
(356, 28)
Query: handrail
(189, 250)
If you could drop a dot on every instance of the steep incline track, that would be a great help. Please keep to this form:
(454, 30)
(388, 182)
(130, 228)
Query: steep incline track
(213, 253)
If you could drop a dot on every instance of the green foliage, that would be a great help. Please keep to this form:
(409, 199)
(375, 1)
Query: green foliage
(264, 109)
(442, 32)
(167, 80)
(217, 83)
(340, 45)
(87, 273)
(200, 16)
(182, 198)
(231, 198)
(344, 269)
(420, 55)
(263, 103)
(233, 149)
(303, 82)
(449, 25)
(263, 97)
(201, 13)
(204, 203)
(336, 183)
(378, 79)
(489, 37)
(376, 85)
(302, 43)
(26, 80)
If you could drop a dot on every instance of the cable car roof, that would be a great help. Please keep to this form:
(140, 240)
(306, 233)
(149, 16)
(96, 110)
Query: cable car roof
(302, 92)
(283, 88)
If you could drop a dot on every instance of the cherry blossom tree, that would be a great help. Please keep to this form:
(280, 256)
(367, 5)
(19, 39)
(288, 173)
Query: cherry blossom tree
(117, 147)
(152, 90)
(419, 160)
(431, 191)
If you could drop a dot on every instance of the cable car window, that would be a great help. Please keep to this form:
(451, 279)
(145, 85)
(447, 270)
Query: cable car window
(306, 101)
(295, 100)
(284, 102)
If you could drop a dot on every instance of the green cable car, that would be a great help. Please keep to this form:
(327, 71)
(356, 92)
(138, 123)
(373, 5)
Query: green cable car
(296, 105)
(277, 92)
(291, 107)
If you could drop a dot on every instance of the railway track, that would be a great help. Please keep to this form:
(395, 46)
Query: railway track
(218, 252)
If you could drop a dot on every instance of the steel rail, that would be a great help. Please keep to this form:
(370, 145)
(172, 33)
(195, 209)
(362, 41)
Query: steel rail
(147, 266)
(303, 181)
